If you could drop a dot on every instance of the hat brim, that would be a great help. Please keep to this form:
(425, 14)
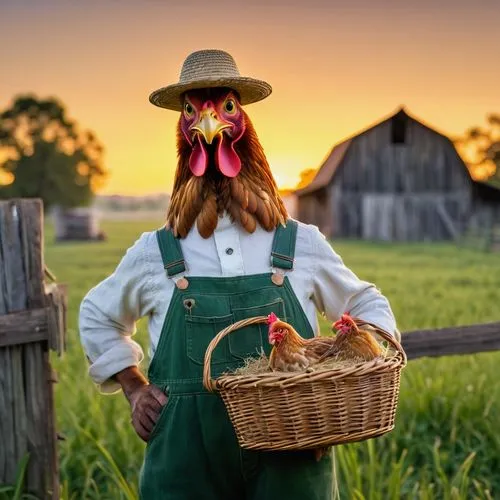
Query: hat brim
(250, 90)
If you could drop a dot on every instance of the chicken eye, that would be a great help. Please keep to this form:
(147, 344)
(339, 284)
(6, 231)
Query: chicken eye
(230, 106)
(188, 109)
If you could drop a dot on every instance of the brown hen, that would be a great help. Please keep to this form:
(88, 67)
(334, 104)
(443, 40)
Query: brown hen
(352, 342)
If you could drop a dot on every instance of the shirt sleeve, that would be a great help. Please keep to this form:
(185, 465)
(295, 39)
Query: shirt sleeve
(336, 289)
(108, 315)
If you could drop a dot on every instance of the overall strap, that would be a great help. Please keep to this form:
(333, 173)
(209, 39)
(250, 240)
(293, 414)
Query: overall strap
(171, 253)
(283, 250)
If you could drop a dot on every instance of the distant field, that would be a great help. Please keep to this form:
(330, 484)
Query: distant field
(446, 444)
(131, 215)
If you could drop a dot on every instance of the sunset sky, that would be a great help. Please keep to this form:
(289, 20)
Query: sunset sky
(335, 67)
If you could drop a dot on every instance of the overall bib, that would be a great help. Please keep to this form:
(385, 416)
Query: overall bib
(193, 452)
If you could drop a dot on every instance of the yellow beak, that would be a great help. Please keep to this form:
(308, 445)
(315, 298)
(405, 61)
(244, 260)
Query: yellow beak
(209, 125)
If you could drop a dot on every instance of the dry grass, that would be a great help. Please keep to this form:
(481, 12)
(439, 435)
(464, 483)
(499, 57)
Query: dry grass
(260, 365)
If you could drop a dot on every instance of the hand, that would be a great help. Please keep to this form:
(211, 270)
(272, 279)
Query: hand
(146, 403)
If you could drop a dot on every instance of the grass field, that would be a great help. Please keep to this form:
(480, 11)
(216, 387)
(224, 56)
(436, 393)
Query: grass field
(446, 444)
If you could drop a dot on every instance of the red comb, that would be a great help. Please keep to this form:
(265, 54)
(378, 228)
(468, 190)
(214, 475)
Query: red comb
(272, 318)
(341, 320)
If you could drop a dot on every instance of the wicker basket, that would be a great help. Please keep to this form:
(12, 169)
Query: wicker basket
(292, 411)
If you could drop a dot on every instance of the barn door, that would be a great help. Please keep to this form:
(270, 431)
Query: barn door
(377, 217)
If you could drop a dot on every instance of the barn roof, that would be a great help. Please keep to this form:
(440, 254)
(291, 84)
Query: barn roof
(325, 173)
(334, 159)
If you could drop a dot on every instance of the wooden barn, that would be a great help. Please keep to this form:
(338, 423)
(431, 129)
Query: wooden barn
(399, 180)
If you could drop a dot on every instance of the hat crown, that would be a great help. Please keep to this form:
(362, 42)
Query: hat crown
(208, 64)
(210, 68)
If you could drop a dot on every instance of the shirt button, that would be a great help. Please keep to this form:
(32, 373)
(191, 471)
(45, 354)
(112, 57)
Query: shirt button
(229, 251)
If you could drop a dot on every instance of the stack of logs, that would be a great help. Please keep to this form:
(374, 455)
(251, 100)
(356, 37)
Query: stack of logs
(32, 322)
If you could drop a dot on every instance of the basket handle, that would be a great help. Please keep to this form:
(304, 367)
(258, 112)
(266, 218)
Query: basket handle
(385, 335)
(211, 385)
(208, 382)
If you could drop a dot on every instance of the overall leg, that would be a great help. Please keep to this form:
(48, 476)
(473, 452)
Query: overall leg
(292, 475)
(193, 453)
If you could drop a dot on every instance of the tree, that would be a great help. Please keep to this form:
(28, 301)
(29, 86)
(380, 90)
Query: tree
(45, 154)
(480, 148)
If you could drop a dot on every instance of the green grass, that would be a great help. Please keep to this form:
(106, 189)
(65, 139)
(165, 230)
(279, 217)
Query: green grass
(446, 444)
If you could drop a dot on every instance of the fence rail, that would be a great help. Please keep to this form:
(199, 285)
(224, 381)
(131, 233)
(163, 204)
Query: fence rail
(454, 340)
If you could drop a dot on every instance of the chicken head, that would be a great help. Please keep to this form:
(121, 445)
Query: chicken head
(212, 122)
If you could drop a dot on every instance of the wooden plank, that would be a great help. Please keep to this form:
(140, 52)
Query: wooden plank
(450, 341)
(447, 220)
(31, 231)
(14, 292)
(39, 405)
(7, 450)
(15, 299)
(6, 427)
(20, 415)
(23, 327)
(55, 319)
(52, 458)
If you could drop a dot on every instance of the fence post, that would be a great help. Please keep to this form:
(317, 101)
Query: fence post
(31, 322)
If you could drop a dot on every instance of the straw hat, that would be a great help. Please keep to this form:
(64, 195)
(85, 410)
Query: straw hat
(210, 68)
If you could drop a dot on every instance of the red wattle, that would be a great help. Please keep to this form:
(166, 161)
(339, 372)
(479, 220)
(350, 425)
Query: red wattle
(228, 161)
(198, 160)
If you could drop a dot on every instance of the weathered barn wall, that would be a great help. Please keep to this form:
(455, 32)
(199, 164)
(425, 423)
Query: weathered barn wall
(417, 189)
(316, 209)
(413, 191)
(426, 162)
(397, 181)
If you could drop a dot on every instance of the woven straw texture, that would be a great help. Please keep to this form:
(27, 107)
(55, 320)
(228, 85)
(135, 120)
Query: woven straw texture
(292, 411)
(210, 68)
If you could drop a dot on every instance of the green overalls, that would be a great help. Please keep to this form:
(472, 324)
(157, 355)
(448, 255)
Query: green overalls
(193, 453)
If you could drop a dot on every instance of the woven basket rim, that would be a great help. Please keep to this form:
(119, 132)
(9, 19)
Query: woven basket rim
(285, 379)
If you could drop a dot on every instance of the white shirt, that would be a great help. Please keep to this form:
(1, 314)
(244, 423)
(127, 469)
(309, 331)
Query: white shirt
(140, 287)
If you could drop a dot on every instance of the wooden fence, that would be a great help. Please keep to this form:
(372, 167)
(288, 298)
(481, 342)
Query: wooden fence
(32, 321)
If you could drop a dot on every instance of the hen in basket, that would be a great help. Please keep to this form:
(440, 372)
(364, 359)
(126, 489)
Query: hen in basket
(291, 352)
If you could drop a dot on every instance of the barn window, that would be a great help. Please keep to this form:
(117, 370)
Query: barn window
(399, 127)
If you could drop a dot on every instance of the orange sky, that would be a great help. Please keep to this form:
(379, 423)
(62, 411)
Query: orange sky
(335, 67)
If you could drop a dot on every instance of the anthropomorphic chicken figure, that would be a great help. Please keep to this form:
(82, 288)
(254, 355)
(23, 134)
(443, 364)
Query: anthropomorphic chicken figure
(226, 252)
(352, 342)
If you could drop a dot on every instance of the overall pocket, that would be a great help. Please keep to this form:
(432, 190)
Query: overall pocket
(252, 340)
(160, 423)
(200, 330)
